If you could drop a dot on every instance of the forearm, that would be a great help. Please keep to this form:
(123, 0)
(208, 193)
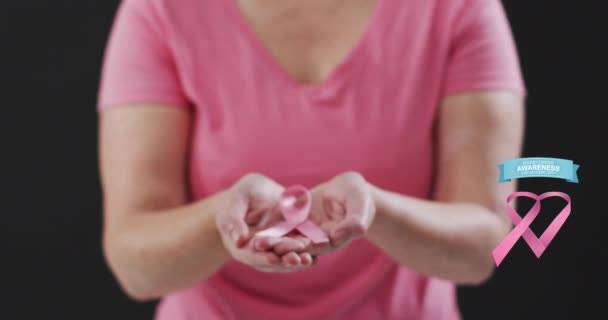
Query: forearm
(155, 253)
(447, 240)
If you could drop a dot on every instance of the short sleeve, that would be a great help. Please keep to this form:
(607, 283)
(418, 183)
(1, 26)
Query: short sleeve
(483, 55)
(139, 67)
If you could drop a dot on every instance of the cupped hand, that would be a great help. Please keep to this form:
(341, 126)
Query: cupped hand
(250, 206)
(344, 208)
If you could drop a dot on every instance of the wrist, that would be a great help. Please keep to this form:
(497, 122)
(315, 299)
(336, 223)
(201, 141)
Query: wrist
(217, 204)
(378, 199)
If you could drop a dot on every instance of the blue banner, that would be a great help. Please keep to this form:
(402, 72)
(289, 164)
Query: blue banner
(538, 168)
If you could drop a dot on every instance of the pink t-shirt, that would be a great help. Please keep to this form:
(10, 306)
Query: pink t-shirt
(374, 114)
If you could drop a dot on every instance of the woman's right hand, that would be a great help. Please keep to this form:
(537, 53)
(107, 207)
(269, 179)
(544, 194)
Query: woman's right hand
(248, 207)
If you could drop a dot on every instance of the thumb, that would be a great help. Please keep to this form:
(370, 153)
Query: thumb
(231, 221)
(355, 223)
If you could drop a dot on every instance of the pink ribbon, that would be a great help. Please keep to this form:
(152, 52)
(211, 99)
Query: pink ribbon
(294, 205)
(522, 226)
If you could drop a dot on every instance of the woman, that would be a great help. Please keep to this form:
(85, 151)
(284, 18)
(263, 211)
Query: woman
(393, 113)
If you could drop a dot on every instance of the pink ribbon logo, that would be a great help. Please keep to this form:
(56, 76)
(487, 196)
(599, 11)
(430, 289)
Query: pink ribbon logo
(522, 226)
(294, 204)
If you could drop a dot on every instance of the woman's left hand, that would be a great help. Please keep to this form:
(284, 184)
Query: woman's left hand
(344, 208)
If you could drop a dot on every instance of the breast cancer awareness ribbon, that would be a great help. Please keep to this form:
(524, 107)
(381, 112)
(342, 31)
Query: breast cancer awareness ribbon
(522, 225)
(294, 204)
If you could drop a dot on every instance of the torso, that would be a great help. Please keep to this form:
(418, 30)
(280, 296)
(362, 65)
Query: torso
(301, 91)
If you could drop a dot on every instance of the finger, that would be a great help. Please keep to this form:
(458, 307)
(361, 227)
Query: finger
(307, 259)
(291, 259)
(321, 248)
(358, 211)
(333, 209)
(289, 244)
(231, 221)
(350, 228)
(270, 217)
(265, 243)
(253, 217)
(259, 259)
(306, 242)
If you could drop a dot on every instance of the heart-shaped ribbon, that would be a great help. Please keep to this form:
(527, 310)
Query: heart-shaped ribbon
(522, 225)
(294, 204)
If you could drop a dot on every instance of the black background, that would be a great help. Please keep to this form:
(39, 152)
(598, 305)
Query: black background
(50, 254)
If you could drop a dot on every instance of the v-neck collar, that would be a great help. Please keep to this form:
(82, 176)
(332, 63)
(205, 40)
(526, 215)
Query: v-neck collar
(337, 75)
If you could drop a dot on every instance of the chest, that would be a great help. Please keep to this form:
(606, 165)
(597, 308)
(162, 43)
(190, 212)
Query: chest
(302, 91)
(308, 39)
